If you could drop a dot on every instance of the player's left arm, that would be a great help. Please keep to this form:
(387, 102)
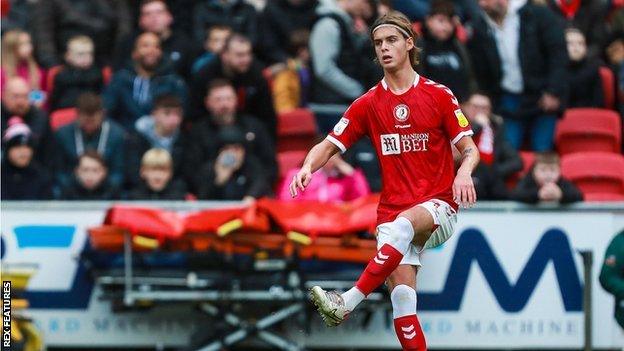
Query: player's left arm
(463, 188)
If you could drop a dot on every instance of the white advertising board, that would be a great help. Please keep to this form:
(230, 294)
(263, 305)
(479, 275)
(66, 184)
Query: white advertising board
(504, 280)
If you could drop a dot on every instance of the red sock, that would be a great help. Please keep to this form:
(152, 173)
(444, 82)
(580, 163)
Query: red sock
(410, 334)
(378, 269)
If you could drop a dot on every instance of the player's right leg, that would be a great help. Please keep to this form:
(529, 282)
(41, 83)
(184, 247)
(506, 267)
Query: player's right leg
(394, 240)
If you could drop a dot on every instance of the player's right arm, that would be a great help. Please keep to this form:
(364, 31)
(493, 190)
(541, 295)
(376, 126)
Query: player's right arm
(350, 128)
(317, 157)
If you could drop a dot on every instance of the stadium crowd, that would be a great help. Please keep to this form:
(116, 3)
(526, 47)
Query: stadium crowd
(120, 99)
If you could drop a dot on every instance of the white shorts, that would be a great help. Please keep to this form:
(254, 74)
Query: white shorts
(445, 218)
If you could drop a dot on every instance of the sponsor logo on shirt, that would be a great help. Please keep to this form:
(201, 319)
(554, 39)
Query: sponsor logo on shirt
(341, 126)
(461, 119)
(394, 144)
(401, 112)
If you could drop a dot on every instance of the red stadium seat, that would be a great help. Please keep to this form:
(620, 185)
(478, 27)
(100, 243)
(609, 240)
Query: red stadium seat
(595, 172)
(601, 197)
(62, 117)
(588, 129)
(287, 160)
(608, 87)
(528, 157)
(296, 130)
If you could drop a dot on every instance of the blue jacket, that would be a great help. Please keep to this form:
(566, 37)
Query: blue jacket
(128, 97)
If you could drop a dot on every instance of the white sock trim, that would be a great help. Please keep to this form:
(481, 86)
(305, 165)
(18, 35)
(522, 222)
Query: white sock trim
(352, 298)
(404, 301)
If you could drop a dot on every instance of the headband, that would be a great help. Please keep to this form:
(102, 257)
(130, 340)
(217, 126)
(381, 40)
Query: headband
(392, 26)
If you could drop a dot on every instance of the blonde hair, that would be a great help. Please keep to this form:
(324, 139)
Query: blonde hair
(79, 39)
(10, 45)
(398, 19)
(157, 158)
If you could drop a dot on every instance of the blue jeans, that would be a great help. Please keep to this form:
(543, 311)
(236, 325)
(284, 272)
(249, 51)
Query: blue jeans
(542, 127)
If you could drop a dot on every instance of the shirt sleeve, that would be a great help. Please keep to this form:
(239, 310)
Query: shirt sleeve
(351, 127)
(454, 121)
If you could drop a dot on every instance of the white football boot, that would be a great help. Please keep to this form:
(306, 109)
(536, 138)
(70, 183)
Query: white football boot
(330, 306)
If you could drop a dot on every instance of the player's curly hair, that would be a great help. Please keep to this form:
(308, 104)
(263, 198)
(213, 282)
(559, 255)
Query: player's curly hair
(400, 20)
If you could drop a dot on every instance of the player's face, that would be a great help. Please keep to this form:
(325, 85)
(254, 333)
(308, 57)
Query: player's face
(391, 48)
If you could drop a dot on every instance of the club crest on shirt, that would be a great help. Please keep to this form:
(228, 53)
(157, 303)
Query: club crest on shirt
(610, 261)
(341, 125)
(461, 119)
(401, 112)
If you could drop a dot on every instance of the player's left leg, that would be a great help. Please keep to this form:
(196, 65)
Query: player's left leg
(402, 286)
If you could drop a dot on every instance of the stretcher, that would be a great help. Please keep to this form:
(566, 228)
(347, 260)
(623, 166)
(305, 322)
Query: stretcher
(266, 253)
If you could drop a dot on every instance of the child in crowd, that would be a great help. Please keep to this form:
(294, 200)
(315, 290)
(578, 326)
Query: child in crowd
(337, 181)
(545, 184)
(585, 85)
(78, 75)
(213, 45)
(90, 180)
(18, 61)
(22, 177)
(156, 176)
(291, 86)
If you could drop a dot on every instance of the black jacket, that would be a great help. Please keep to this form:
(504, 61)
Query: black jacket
(175, 190)
(585, 84)
(255, 97)
(241, 16)
(590, 19)
(56, 21)
(249, 180)
(527, 191)
(543, 58)
(203, 147)
(37, 121)
(507, 160)
(30, 183)
(138, 145)
(70, 82)
(279, 20)
(75, 191)
(447, 63)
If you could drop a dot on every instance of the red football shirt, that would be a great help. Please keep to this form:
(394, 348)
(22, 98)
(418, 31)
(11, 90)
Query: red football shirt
(412, 134)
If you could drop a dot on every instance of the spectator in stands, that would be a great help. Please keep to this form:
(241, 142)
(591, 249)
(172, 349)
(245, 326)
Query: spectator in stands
(585, 84)
(132, 90)
(614, 56)
(523, 71)
(161, 129)
(157, 178)
(55, 21)
(177, 48)
(91, 131)
(337, 79)
(236, 63)
(18, 61)
(612, 274)
(221, 103)
(15, 102)
(443, 58)
(235, 174)
(588, 16)
(78, 75)
(545, 184)
(281, 18)
(291, 86)
(90, 180)
(216, 36)
(499, 160)
(237, 14)
(22, 177)
(337, 181)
